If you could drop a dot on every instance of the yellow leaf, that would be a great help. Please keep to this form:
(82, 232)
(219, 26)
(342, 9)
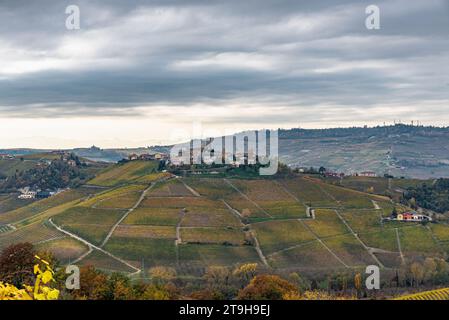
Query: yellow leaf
(47, 277)
(36, 269)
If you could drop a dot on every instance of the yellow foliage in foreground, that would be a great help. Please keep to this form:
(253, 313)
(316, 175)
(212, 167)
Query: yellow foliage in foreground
(40, 291)
(315, 295)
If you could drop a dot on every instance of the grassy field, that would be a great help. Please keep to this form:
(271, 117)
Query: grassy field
(326, 224)
(347, 198)
(375, 185)
(152, 251)
(210, 217)
(349, 250)
(440, 230)
(125, 173)
(105, 263)
(272, 197)
(362, 220)
(219, 189)
(89, 223)
(11, 202)
(34, 233)
(64, 249)
(308, 192)
(278, 235)
(170, 188)
(40, 206)
(212, 235)
(215, 255)
(418, 241)
(154, 216)
(310, 255)
(142, 231)
(110, 195)
(384, 239)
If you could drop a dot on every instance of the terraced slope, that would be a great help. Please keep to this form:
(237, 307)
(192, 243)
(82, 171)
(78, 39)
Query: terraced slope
(127, 221)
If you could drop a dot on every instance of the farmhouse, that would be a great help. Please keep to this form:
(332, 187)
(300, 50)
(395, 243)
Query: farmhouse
(412, 217)
(26, 193)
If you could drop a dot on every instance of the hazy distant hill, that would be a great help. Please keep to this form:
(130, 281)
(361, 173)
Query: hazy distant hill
(401, 150)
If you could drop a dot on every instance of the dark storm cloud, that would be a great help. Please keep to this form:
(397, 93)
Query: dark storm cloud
(295, 54)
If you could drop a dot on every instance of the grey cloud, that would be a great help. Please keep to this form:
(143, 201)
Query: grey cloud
(311, 54)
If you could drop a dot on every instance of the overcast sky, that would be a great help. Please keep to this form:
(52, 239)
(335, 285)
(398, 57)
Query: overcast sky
(137, 71)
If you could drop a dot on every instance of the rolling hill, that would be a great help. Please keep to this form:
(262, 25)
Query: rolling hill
(130, 218)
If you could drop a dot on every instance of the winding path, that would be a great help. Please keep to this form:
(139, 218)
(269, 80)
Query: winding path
(92, 246)
(368, 249)
(142, 196)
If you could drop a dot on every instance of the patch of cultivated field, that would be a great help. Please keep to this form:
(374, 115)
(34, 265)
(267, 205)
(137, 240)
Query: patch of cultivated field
(226, 236)
(89, 223)
(152, 177)
(170, 188)
(389, 260)
(347, 248)
(11, 202)
(177, 202)
(326, 223)
(387, 207)
(246, 208)
(376, 185)
(65, 249)
(154, 216)
(212, 188)
(270, 196)
(407, 183)
(440, 230)
(381, 238)
(33, 233)
(418, 241)
(151, 251)
(142, 231)
(95, 233)
(104, 262)
(278, 235)
(210, 217)
(40, 206)
(124, 173)
(119, 198)
(362, 220)
(308, 192)
(311, 255)
(215, 255)
(346, 197)
(219, 189)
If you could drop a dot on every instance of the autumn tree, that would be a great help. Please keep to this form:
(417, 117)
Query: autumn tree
(417, 272)
(162, 275)
(358, 284)
(119, 287)
(16, 264)
(93, 284)
(301, 283)
(218, 283)
(267, 287)
(245, 273)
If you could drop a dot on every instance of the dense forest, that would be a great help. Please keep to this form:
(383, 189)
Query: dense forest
(434, 197)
